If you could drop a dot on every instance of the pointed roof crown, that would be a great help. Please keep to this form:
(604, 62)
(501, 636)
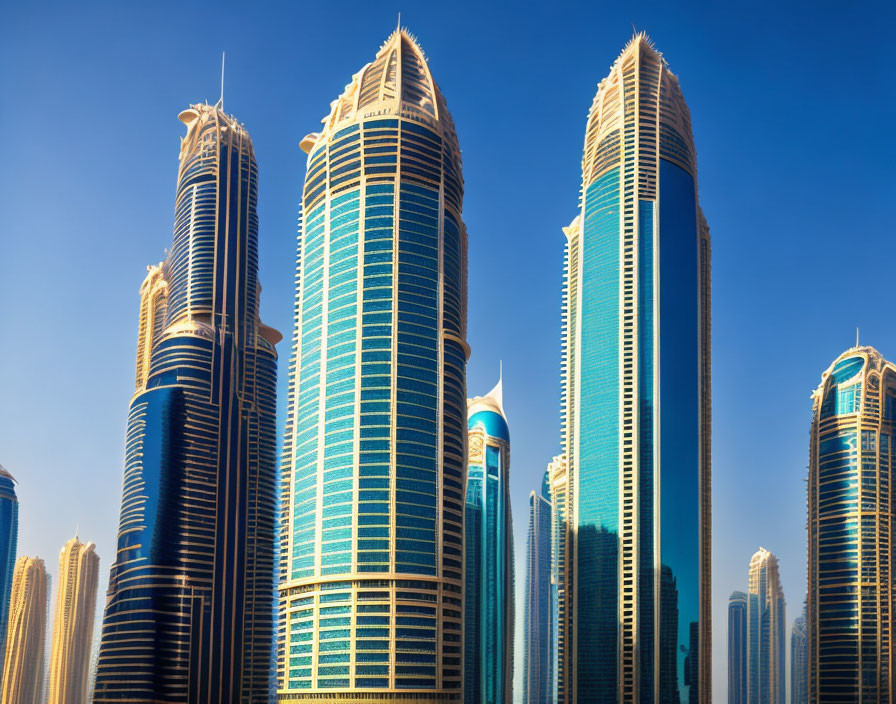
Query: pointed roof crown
(489, 410)
(397, 81)
(639, 81)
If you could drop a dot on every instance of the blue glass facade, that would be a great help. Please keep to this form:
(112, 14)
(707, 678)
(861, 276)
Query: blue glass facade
(538, 617)
(737, 648)
(636, 400)
(488, 558)
(373, 473)
(9, 535)
(850, 605)
(189, 614)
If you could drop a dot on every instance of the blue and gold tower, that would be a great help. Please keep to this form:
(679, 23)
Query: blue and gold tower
(9, 535)
(371, 593)
(636, 399)
(488, 558)
(189, 614)
(852, 453)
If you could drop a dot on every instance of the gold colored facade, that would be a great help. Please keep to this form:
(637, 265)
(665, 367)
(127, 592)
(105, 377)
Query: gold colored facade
(23, 666)
(852, 458)
(73, 623)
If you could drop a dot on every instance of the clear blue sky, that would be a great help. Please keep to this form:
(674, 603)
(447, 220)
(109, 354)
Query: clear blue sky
(792, 108)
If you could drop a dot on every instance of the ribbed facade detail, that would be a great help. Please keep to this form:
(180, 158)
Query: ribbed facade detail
(189, 614)
(636, 416)
(9, 538)
(72, 642)
(766, 636)
(371, 594)
(539, 615)
(488, 555)
(851, 513)
(23, 664)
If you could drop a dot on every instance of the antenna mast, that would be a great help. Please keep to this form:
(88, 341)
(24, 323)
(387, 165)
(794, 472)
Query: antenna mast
(221, 99)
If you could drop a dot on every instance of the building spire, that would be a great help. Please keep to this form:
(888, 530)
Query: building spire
(220, 103)
(857, 336)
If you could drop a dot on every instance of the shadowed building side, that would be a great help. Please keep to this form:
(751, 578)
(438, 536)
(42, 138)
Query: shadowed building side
(23, 665)
(371, 594)
(189, 613)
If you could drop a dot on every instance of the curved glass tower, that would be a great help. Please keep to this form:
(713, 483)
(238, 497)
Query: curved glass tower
(488, 557)
(189, 614)
(636, 398)
(850, 606)
(373, 468)
(9, 535)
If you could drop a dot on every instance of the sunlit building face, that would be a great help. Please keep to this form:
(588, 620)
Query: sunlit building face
(373, 470)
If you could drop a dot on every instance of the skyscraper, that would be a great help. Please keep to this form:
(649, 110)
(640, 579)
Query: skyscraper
(765, 631)
(799, 660)
(189, 614)
(538, 667)
(9, 534)
(488, 555)
(636, 399)
(73, 623)
(737, 648)
(850, 600)
(558, 478)
(373, 468)
(23, 665)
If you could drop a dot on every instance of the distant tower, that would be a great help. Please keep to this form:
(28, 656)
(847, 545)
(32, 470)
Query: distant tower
(636, 399)
(766, 635)
(23, 666)
(799, 660)
(852, 456)
(488, 557)
(73, 623)
(371, 593)
(189, 614)
(9, 532)
(559, 488)
(538, 624)
(737, 648)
